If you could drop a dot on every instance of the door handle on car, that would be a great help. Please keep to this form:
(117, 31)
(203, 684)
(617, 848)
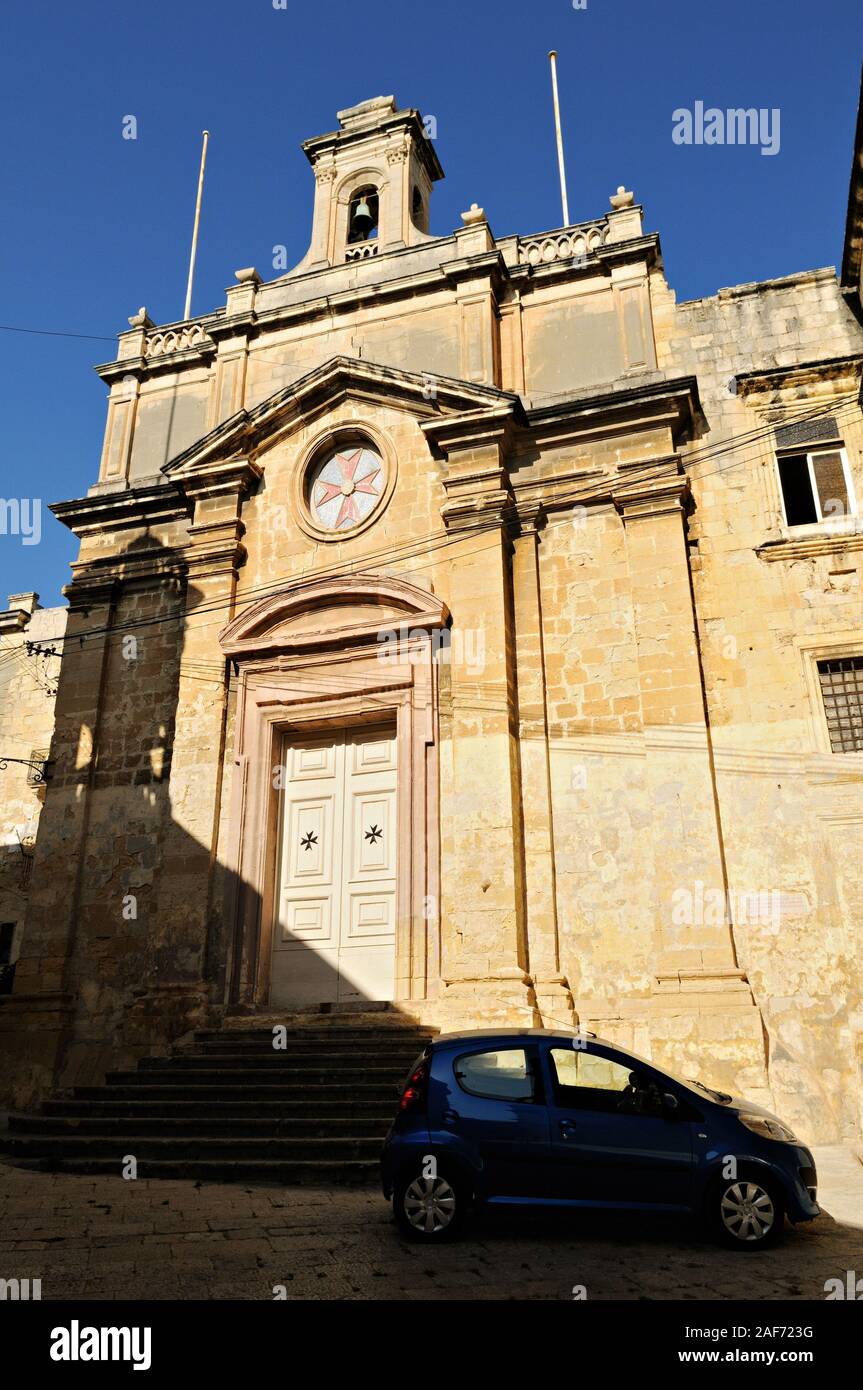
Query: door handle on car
(450, 1117)
(568, 1128)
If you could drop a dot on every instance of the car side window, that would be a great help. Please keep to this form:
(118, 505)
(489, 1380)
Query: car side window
(588, 1081)
(503, 1075)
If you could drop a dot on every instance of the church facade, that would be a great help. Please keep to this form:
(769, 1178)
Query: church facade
(460, 621)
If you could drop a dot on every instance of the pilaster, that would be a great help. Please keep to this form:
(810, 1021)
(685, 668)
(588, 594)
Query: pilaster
(483, 924)
(699, 992)
(177, 992)
(554, 999)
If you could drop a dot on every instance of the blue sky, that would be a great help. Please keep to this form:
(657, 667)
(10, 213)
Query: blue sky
(95, 225)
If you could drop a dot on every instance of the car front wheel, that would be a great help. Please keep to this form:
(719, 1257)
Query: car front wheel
(746, 1213)
(430, 1209)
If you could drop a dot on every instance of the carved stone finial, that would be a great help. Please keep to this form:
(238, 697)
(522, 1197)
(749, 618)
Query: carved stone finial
(141, 319)
(247, 276)
(473, 216)
(622, 198)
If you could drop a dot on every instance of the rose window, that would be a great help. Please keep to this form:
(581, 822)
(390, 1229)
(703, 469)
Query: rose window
(345, 488)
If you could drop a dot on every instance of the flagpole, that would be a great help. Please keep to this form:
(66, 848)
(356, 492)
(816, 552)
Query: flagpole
(553, 56)
(188, 309)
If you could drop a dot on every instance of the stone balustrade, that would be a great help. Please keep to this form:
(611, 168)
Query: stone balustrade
(363, 252)
(567, 243)
(177, 339)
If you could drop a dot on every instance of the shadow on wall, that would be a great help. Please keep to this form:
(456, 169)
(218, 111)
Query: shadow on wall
(16, 862)
(129, 936)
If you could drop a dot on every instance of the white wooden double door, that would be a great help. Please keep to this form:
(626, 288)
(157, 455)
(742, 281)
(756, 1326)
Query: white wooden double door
(335, 920)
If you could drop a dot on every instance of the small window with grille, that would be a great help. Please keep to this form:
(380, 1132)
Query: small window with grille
(816, 485)
(842, 692)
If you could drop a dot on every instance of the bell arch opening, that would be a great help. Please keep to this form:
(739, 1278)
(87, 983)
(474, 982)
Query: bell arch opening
(363, 215)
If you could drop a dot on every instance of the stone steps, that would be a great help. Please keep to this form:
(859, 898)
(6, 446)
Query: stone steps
(272, 1089)
(216, 1125)
(361, 1079)
(98, 1106)
(227, 1106)
(308, 1064)
(155, 1146)
(383, 1037)
(319, 1173)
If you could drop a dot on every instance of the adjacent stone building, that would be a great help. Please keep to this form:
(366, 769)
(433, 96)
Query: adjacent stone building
(461, 621)
(31, 642)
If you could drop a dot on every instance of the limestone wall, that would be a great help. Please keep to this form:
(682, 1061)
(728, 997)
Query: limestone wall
(28, 684)
(791, 811)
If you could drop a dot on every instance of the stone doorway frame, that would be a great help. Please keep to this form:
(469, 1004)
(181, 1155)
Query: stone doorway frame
(333, 652)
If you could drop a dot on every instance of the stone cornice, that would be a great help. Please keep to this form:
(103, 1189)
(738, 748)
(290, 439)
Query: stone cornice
(98, 580)
(140, 367)
(799, 374)
(408, 119)
(137, 507)
(479, 448)
(643, 248)
(221, 325)
(212, 549)
(14, 620)
(348, 301)
(809, 547)
(218, 555)
(539, 497)
(475, 477)
(147, 351)
(87, 591)
(233, 326)
(233, 476)
(494, 425)
(610, 407)
(489, 506)
(478, 494)
(652, 496)
(406, 285)
(484, 265)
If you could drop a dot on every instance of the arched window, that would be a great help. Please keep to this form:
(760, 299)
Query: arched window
(418, 212)
(363, 215)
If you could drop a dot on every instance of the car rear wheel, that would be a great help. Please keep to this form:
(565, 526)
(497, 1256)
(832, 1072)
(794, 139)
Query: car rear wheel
(430, 1209)
(747, 1213)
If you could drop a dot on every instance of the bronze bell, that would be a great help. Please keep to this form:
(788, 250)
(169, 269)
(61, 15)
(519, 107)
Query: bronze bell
(362, 221)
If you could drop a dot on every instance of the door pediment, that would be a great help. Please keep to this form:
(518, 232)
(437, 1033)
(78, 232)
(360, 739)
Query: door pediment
(332, 611)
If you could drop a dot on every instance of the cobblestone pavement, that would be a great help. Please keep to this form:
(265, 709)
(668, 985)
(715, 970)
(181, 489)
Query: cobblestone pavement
(106, 1238)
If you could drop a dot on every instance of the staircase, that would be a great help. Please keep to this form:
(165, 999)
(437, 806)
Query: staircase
(229, 1107)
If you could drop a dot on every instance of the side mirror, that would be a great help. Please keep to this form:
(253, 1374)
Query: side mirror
(669, 1103)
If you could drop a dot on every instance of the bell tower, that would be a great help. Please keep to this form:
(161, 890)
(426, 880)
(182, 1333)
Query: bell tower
(373, 180)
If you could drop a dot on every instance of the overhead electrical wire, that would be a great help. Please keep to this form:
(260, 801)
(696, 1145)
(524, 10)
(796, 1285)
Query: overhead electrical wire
(55, 333)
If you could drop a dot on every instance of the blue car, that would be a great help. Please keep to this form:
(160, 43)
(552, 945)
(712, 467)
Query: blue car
(549, 1119)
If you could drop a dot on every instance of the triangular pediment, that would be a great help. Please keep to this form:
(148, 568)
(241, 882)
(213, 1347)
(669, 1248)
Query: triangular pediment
(338, 379)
